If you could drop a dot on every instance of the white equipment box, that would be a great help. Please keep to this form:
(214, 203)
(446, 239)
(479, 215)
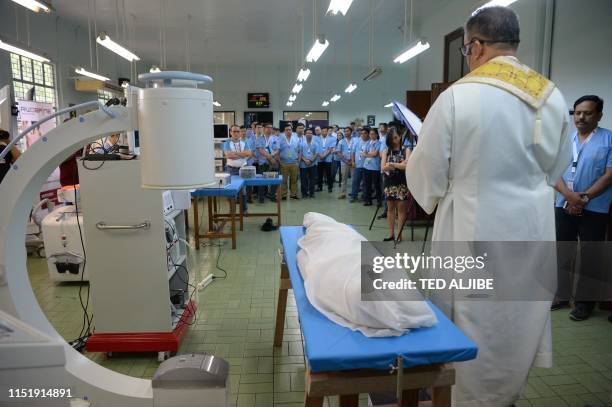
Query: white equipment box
(63, 247)
(30, 360)
(221, 180)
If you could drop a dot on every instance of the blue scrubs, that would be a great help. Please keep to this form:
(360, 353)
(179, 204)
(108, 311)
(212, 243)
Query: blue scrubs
(592, 159)
(358, 171)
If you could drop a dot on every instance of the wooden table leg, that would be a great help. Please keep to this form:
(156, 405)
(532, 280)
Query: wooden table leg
(441, 397)
(196, 223)
(241, 210)
(281, 306)
(349, 400)
(410, 398)
(313, 401)
(278, 205)
(211, 214)
(232, 202)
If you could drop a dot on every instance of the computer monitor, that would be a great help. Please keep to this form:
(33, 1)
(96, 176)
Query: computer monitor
(221, 131)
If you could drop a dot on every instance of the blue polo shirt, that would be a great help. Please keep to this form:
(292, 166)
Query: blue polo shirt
(308, 151)
(327, 143)
(372, 163)
(260, 142)
(593, 157)
(359, 147)
(250, 145)
(288, 150)
(345, 147)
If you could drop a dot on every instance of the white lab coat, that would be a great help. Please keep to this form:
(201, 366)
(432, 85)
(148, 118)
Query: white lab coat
(478, 161)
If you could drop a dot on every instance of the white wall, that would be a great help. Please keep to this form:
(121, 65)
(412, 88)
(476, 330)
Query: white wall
(582, 54)
(581, 61)
(64, 43)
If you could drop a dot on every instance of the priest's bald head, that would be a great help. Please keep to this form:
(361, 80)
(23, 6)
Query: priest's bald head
(490, 32)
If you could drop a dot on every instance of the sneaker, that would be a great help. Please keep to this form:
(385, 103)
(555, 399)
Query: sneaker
(558, 305)
(580, 312)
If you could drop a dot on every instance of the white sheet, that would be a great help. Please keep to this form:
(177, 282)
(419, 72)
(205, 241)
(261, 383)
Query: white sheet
(330, 264)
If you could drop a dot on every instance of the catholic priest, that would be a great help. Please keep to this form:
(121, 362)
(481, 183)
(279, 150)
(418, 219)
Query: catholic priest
(489, 152)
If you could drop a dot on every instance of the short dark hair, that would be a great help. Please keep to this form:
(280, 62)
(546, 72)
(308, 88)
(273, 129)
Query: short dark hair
(499, 24)
(308, 130)
(300, 125)
(383, 124)
(4, 135)
(599, 103)
(287, 125)
(242, 127)
(348, 128)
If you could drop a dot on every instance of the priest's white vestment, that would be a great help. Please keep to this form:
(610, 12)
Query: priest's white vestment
(489, 152)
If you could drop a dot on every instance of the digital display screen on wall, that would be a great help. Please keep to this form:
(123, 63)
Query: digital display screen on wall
(258, 100)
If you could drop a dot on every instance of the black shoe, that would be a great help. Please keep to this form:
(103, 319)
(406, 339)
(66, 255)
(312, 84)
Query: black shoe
(294, 197)
(389, 239)
(558, 305)
(383, 216)
(249, 200)
(284, 198)
(580, 312)
(330, 190)
(367, 204)
(352, 200)
(319, 189)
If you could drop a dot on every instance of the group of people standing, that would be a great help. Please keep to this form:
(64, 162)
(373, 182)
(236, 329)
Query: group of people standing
(374, 159)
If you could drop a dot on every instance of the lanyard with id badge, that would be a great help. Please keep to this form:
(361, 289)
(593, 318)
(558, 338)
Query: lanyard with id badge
(576, 156)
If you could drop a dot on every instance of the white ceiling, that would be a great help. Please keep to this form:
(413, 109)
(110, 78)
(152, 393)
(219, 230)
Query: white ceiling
(242, 32)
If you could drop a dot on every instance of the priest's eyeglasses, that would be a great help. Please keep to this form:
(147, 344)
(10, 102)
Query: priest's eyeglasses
(466, 49)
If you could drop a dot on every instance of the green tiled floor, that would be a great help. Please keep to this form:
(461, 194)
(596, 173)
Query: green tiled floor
(235, 320)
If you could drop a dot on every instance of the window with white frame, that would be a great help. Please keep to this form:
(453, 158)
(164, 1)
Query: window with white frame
(33, 76)
(104, 95)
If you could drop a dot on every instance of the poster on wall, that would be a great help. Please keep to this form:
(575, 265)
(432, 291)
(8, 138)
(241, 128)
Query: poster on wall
(31, 112)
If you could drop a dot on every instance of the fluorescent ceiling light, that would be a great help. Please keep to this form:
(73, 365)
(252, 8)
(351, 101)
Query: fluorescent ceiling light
(325, 103)
(339, 7)
(21, 51)
(34, 5)
(82, 71)
(104, 40)
(303, 75)
(335, 98)
(412, 52)
(292, 98)
(289, 103)
(216, 104)
(492, 3)
(318, 48)
(154, 68)
(389, 105)
(296, 88)
(350, 88)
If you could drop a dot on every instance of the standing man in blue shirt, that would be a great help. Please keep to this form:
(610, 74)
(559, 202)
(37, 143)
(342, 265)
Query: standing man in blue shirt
(236, 153)
(328, 143)
(582, 205)
(372, 168)
(344, 151)
(359, 148)
(288, 148)
(309, 150)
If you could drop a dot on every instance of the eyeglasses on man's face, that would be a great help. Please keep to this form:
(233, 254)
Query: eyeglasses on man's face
(466, 49)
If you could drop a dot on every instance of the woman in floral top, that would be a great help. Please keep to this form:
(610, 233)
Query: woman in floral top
(396, 191)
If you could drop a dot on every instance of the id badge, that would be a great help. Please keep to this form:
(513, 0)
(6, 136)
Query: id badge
(290, 154)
